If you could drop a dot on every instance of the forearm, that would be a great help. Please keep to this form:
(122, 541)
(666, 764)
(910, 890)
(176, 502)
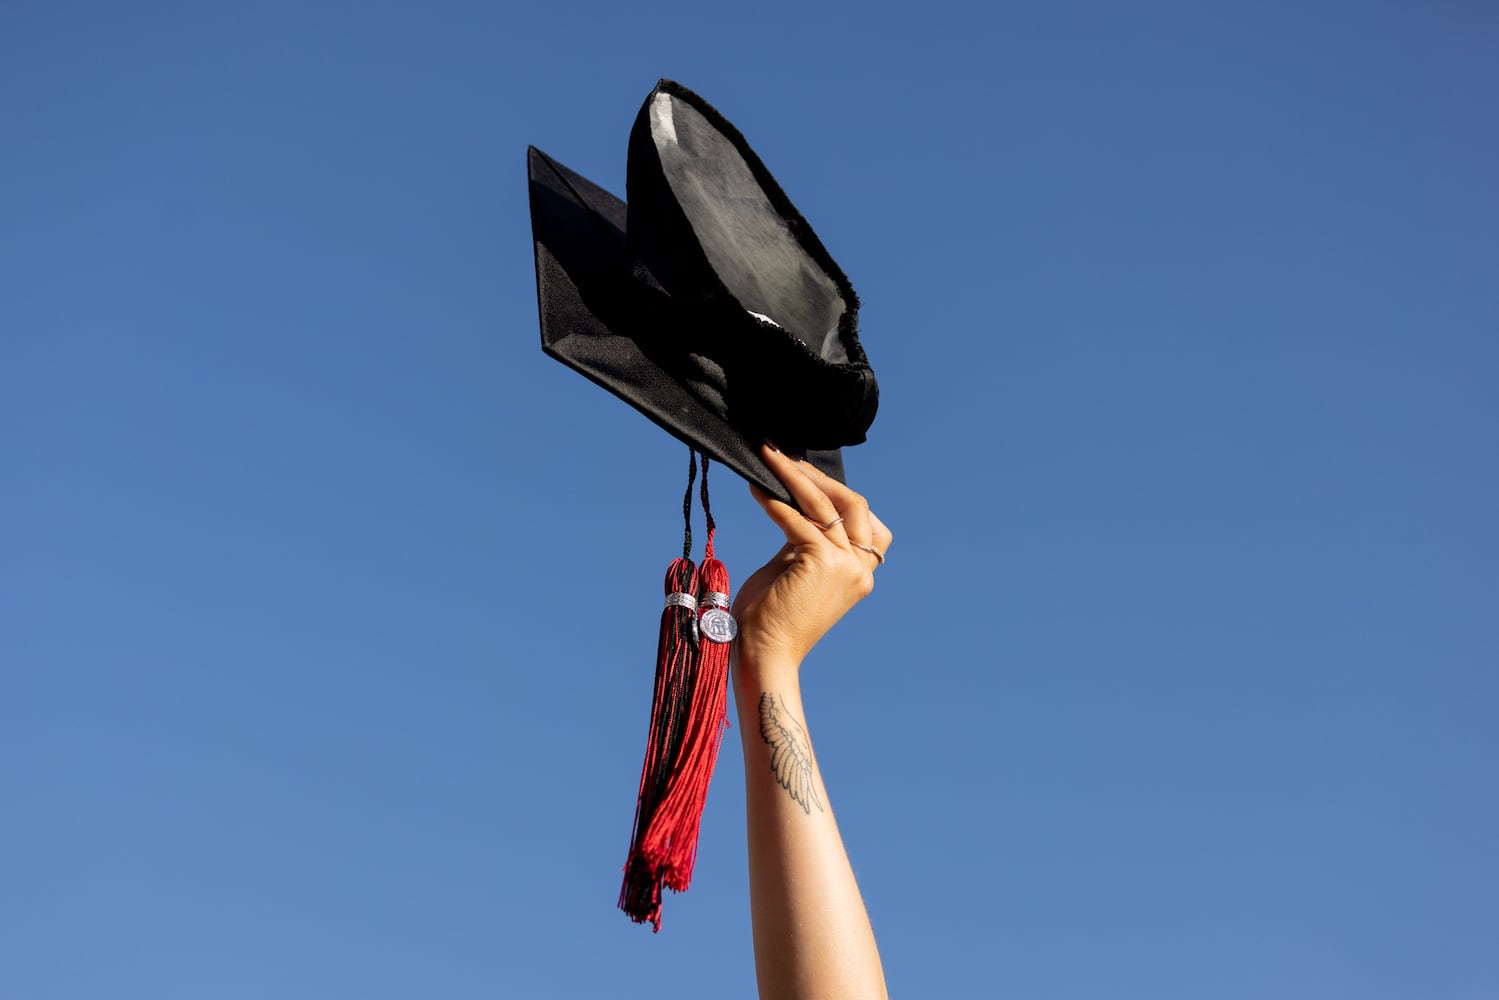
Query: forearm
(812, 934)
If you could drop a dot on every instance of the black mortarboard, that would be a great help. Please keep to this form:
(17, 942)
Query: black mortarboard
(707, 303)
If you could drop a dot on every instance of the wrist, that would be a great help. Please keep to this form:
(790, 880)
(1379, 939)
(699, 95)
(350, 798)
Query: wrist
(757, 670)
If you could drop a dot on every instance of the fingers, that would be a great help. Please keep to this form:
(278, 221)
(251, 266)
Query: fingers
(797, 529)
(852, 507)
(814, 502)
(861, 522)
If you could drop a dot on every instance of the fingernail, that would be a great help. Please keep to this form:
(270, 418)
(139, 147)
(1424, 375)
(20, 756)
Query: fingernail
(772, 446)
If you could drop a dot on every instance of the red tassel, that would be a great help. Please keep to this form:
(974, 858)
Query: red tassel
(705, 725)
(707, 717)
(640, 895)
(688, 717)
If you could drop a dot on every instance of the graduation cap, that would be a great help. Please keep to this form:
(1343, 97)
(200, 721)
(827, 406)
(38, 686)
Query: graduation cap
(709, 305)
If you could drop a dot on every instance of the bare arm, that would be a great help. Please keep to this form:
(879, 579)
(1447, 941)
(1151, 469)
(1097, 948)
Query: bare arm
(812, 934)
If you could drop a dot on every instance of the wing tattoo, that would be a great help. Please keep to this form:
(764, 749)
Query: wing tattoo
(790, 753)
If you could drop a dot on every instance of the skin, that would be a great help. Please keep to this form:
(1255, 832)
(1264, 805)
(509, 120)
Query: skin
(812, 932)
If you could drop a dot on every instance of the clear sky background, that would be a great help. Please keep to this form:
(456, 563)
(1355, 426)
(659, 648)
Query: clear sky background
(328, 603)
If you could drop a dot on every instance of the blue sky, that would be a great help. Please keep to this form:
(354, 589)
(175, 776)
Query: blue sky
(328, 602)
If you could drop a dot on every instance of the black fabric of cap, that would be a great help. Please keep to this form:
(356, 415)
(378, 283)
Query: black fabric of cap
(707, 303)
